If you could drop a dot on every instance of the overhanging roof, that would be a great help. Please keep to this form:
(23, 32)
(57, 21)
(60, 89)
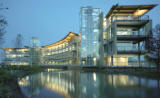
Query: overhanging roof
(67, 38)
(15, 49)
(127, 10)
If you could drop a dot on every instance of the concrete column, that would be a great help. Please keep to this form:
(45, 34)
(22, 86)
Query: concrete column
(139, 56)
(112, 60)
(139, 61)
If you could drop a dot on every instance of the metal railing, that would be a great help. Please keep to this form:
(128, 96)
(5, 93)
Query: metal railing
(145, 17)
(131, 33)
(123, 18)
(131, 48)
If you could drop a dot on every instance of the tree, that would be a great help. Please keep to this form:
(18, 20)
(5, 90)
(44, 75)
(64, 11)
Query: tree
(154, 44)
(3, 24)
(19, 41)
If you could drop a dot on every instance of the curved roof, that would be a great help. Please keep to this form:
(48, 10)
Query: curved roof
(67, 38)
(14, 49)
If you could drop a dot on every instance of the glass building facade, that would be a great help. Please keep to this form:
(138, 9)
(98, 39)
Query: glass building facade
(118, 39)
(127, 30)
(91, 28)
(35, 51)
(63, 52)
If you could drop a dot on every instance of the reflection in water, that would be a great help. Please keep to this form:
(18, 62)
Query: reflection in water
(76, 84)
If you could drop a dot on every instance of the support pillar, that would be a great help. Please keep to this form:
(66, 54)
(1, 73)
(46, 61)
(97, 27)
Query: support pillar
(139, 60)
(112, 60)
(139, 56)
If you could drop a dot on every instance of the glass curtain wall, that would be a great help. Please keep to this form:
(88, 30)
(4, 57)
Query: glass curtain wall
(35, 51)
(90, 35)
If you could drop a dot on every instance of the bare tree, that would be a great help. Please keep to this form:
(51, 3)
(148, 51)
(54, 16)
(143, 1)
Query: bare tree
(19, 41)
(154, 44)
(3, 24)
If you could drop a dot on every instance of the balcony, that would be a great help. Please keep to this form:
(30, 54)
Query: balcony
(129, 21)
(130, 50)
(135, 38)
(131, 36)
(144, 17)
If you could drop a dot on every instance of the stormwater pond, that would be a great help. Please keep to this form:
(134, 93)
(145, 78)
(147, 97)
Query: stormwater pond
(80, 84)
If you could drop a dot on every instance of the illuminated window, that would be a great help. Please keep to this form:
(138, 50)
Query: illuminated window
(66, 44)
(73, 48)
(139, 13)
(66, 49)
(70, 48)
(104, 23)
(13, 56)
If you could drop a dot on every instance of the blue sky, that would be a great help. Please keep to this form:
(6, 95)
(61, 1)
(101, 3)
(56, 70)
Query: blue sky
(51, 20)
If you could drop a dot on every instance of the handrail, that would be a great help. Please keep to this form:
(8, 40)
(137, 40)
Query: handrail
(145, 17)
(132, 33)
(135, 48)
(113, 18)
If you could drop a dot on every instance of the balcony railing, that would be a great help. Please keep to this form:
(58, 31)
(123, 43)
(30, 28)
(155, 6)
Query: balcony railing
(145, 17)
(125, 18)
(134, 48)
(131, 33)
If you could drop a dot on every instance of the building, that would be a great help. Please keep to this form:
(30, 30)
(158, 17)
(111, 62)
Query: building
(35, 52)
(91, 28)
(118, 39)
(63, 52)
(16, 56)
(126, 32)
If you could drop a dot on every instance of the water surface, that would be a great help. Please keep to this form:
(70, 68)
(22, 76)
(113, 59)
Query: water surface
(78, 84)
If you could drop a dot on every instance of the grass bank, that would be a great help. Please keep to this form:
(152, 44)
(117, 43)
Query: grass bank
(8, 79)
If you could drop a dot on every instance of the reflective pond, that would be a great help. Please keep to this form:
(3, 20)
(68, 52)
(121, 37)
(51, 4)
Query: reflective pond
(79, 84)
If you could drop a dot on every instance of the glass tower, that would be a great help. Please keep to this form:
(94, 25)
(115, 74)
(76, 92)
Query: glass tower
(91, 28)
(35, 51)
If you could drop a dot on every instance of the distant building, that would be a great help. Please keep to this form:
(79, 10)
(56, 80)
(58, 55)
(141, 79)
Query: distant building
(35, 53)
(16, 56)
(34, 42)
